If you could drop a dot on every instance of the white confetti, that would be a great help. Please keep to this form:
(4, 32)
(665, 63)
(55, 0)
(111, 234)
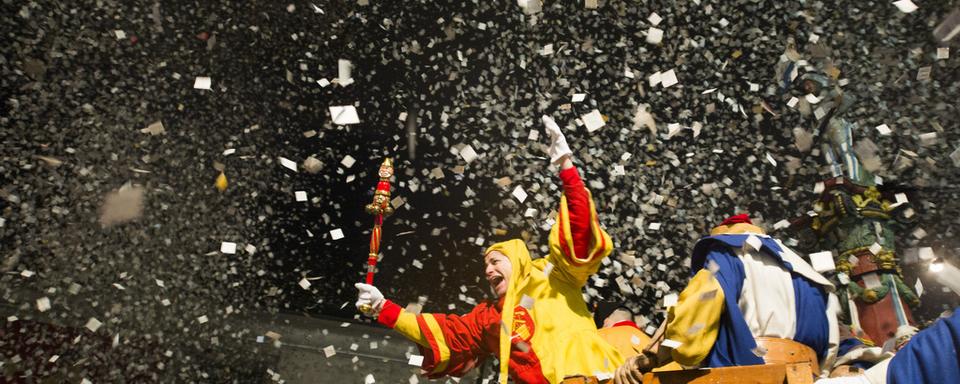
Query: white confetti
(822, 261)
(871, 281)
(668, 78)
(344, 115)
(415, 360)
(348, 161)
(884, 130)
(228, 247)
(202, 83)
(202, 319)
(654, 18)
(673, 344)
(519, 194)
(93, 324)
(943, 53)
(300, 195)
(289, 164)
(468, 154)
(329, 351)
(336, 234)
(304, 283)
(578, 97)
(905, 6)
(670, 300)
(593, 120)
(654, 35)
(43, 304)
(918, 287)
(343, 72)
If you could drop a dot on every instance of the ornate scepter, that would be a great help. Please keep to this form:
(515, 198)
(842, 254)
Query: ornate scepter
(380, 208)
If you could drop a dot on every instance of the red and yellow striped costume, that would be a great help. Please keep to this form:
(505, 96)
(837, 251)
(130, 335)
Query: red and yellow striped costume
(552, 332)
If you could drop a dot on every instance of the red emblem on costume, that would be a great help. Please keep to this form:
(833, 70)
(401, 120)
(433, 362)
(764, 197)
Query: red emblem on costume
(523, 326)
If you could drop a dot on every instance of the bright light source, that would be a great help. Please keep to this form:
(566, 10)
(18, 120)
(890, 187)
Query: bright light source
(936, 265)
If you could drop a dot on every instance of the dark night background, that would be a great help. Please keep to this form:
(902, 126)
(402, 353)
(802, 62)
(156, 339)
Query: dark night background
(465, 72)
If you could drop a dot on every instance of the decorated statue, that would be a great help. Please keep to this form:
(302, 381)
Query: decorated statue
(854, 217)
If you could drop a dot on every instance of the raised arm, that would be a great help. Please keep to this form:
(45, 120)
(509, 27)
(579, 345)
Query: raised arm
(577, 243)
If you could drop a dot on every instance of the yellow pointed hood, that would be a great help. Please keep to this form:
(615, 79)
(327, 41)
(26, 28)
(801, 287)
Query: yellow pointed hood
(519, 256)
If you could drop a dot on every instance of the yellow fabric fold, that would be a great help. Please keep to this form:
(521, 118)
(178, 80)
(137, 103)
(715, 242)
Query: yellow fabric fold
(571, 269)
(695, 320)
(440, 341)
(408, 327)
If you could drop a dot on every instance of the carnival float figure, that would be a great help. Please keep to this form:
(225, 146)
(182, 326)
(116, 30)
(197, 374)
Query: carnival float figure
(854, 217)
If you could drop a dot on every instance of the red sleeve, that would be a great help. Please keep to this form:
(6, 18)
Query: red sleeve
(460, 339)
(578, 204)
(389, 314)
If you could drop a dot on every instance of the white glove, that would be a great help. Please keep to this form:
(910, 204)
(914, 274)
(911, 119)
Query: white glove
(558, 144)
(369, 295)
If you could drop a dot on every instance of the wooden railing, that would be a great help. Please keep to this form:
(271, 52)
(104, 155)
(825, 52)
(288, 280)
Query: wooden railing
(795, 373)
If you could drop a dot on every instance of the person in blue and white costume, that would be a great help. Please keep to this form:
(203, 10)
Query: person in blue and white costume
(930, 356)
(751, 300)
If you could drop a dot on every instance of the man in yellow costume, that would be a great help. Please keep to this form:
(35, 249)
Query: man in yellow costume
(552, 334)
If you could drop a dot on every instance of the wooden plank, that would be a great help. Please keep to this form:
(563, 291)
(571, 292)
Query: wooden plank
(799, 373)
(754, 374)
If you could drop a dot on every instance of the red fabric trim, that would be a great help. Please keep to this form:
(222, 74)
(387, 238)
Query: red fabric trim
(578, 212)
(389, 314)
(737, 219)
(431, 356)
(625, 323)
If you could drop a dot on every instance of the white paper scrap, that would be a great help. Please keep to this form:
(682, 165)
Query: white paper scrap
(415, 360)
(578, 97)
(670, 300)
(201, 82)
(876, 248)
(301, 195)
(43, 304)
(203, 319)
(343, 72)
(519, 194)
(290, 164)
(871, 281)
(228, 247)
(348, 161)
(905, 6)
(943, 53)
(468, 154)
(884, 130)
(793, 102)
(654, 35)
(673, 344)
(329, 351)
(593, 120)
(668, 78)
(822, 261)
(654, 226)
(918, 287)
(93, 324)
(336, 234)
(654, 18)
(344, 115)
